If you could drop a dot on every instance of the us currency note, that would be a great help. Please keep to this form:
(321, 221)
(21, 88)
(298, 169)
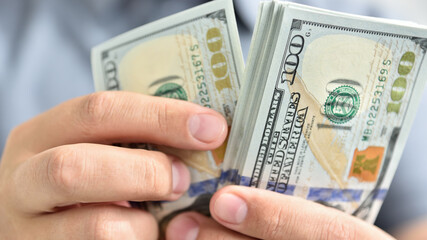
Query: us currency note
(339, 97)
(194, 56)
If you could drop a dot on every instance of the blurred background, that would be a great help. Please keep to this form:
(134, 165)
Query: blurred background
(412, 10)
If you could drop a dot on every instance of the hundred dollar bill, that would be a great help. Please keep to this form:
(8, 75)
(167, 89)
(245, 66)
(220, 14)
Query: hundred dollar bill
(195, 56)
(332, 98)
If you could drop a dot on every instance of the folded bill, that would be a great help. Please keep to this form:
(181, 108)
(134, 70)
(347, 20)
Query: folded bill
(331, 98)
(194, 56)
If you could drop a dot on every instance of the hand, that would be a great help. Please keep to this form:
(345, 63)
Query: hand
(249, 213)
(61, 179)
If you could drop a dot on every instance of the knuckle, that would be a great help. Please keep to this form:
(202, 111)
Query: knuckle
(159, 116)
(154, 177)
(14, 134)
(64, 170)
(275, 226)
(339, 228)
(96, 108)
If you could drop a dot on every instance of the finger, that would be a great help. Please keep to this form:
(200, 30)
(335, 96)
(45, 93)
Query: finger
(115, 117)
(268, 215)
(96, 222)
(84, 173)
(192, 226)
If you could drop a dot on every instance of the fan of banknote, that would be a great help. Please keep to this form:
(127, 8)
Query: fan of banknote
(326, 102)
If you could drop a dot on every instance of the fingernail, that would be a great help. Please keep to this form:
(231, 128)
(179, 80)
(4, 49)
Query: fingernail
(190, 229)
(183, 228)
(231, 208)
(180, 177)
(206, 127)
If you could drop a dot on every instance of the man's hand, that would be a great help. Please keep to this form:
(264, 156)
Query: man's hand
(249, 213)
(60, 178)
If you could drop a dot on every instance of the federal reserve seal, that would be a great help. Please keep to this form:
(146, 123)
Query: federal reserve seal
(342, 104)
(171, 90)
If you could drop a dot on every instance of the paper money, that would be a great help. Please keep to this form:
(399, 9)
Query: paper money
(194, 56)
(332, 97)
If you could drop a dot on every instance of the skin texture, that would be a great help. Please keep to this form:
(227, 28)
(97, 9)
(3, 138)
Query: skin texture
(61, 178)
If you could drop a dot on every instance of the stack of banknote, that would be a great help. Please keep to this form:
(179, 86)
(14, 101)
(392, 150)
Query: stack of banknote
(325, 108)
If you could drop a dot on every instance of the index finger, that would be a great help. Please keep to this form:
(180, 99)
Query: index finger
(111, 117)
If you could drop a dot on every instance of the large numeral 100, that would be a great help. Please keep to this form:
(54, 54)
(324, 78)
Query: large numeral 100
(219, 64)
(398, 89)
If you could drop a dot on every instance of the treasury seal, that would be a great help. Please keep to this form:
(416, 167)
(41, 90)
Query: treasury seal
(342, 104)
(171, 90)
